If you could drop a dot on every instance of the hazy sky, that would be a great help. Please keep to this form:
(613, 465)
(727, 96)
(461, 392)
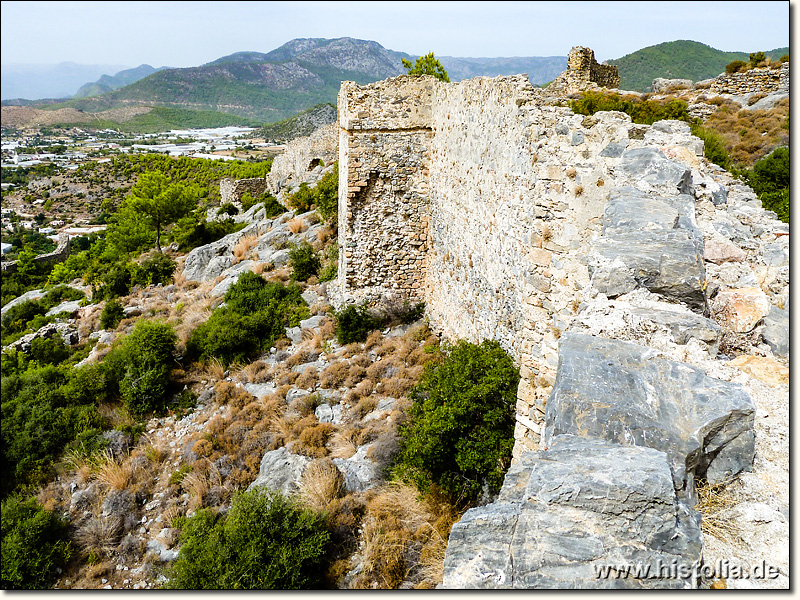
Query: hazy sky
(183, 34)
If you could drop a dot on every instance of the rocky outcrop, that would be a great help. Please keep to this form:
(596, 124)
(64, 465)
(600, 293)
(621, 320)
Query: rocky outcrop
(66, 331)
(573, 516)
(620, 392)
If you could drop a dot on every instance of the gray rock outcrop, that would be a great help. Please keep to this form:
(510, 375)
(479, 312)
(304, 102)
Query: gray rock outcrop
(620, 392)
(567, 514)
(281, 470)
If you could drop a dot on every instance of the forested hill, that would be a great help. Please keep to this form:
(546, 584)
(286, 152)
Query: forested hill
(682, 59)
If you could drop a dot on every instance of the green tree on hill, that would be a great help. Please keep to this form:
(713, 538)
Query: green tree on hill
(160, 201)
(426, 65)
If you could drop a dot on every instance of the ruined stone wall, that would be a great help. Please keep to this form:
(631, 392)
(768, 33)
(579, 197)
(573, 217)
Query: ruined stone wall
(232, 190)
(583, 73)
(60, 254)
(301, 156)
(754, 81)
(384, 142)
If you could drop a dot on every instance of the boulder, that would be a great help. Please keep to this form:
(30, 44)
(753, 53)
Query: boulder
(683, 326)
(719, 250)
(326, 413)
(360, 473)
(31, 295)
(649, 169)
(620, 392)
(741, 308)
(66, 331)
(660, 84)
(651, 242)
(71, 307)
(776, 331)
(208, 262)
(569, 512)
(281, 470)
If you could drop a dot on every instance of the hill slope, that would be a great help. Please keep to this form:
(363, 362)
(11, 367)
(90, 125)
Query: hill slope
(109, 83)
(682, 59)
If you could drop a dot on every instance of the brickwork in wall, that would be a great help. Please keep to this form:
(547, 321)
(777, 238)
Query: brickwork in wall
(232, 190)
(754, 81)
(301, 156)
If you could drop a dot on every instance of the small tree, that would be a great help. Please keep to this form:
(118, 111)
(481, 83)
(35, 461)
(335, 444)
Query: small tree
(161, 202)
(426, 65)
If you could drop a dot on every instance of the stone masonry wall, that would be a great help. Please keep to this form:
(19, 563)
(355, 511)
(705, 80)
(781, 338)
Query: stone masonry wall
(583, 72)
(301, 156)
(384, 142)
(60, 254)
(232, 190)
(760, 81)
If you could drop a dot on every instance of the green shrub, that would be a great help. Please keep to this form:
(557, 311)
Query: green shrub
(34, 545)
(460, 431)
(49, 351)
(303, 199)
(769, 177)
(354, 323)
(228, 209)
(756, 58)
(256, 313)
(193, 230)
(112, 314)
(331, 268)
(304, 262)
(327, 196)
(645, 112)
(140, 366)
(155, 269)
(426, 65)
(265, 541)
(59, 294)
(714, 146)
(272, 207)
(735, 66)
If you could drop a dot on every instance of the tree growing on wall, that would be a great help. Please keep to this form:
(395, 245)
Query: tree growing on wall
(426, 65)
(161, 202)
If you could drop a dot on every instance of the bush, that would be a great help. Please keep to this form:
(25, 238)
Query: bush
(304, 261)
(265, 541)
(112, 314)
(645, 112)
(228, 209)
(34, 545)
(735, 66)
(325, 196)
(769, 177)
(140, 366)
(256, 314)
(460, 431)
(714, 146)
(155, 269)
(757, 58)
(354, 323)
(272, 207)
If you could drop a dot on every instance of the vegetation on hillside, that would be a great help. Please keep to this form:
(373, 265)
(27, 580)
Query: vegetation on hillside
(681, 59)
(301, 124)
(426, 65)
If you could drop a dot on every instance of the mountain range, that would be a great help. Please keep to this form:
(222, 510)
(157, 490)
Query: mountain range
(306, 72)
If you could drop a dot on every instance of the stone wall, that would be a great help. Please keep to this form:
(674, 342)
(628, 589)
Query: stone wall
(232, 190)
(754, 81)
(60, 254)
(301, 156)
(584, 73)
(384, 142)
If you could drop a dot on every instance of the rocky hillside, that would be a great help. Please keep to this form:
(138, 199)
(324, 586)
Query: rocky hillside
(300, 125)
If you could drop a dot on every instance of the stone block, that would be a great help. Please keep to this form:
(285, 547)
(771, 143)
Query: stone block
(741, 308)
(619, 392)
(564, 512)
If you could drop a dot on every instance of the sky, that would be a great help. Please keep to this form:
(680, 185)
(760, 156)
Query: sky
(184, 34)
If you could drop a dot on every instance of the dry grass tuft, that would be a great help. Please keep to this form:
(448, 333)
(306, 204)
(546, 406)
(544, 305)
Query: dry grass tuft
(113, 474)
(297, 225)
(99, 536)
(241, 250)
(214, 368)
(714, 502)
(343, 443)
(321, 484)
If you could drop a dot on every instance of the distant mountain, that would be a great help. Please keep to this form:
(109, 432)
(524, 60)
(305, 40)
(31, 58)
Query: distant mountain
(681, 59)
(108, 83)
(48, 81)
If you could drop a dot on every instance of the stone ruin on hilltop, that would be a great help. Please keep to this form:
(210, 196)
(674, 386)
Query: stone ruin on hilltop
(595, 250)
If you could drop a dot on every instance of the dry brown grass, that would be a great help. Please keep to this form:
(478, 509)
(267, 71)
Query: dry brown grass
(112, 473)
(297, 225)
(98, 536)
(343, 443)
(334, 375)
(241, 250)
(714, 502)
(749, 134)
(214, 368)
(321, 484)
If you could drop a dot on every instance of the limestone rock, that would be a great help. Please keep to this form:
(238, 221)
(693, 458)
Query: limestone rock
(66, 331)
(683, 326)
(719, 250)
(649, 169)
(281, 470)
(764, 369)
(660, 84)
(569, 510)
(776, 330)
(71, 307)
(31, 295)
(741, 308)
(620, 392)
(360, 473)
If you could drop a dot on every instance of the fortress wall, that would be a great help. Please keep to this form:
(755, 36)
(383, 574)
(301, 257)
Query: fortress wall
(481, 198)
(762, 81)
(290, 167)
(232, 190)
(384, 149)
